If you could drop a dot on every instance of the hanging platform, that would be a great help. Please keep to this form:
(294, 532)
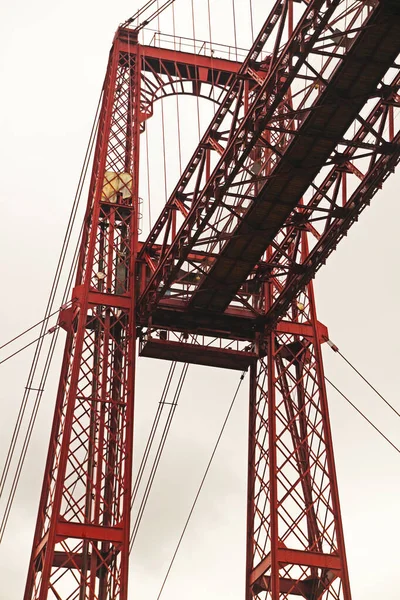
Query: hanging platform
(210, 356)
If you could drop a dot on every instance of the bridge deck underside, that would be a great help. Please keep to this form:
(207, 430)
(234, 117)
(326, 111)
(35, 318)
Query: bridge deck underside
(347, 92)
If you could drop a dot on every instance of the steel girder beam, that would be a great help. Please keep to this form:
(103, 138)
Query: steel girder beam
(360, 165)
(236, 212)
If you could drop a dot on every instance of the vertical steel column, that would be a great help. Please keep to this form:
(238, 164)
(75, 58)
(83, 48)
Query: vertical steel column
(295, 544)
(81, 541)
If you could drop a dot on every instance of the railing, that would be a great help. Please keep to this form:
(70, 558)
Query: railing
(205, 48)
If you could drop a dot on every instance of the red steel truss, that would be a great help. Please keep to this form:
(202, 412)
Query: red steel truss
(303, 137)
(276, 152)
(81, 541)
(295, 538)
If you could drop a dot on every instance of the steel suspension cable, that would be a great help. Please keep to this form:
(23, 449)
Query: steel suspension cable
(251, 20)
(157, 457)
(152, 433)
(234, 28)
(149, 5)
(178, 124)
(30, 329)
(148, 174)
(28, 435)
(201, 485)
(14, 437)
(337, 351)
(40, 339)
(194, 51)
(21, 412)
(211, 54)
(74, 209)
(164, 150)
(363, 415)
(51, 330)
(49, 358)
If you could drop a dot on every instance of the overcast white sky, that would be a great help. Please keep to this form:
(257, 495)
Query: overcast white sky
(52, 62)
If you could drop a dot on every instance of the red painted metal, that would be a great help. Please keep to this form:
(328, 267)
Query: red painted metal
(303, 138)
(81, 542)
(244, 205)
(297, 545)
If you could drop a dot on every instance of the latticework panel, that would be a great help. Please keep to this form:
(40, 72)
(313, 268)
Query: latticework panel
(81, 540)
(295, 533)
(82, 535)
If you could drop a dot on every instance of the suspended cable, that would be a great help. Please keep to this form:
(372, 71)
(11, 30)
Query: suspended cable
(148, 174)
(194, 51)
(337, 351)
(51, 330)
(40, 340)
(212, 59)
(153, 471)
(164, 151)
(75, 206)
(157, 458)
(173, 26)
(234, 28)
(251, 20)
(152, 433)
(209, 24)
(201, 485)
(25, 446)
(177, 98)
(13, 442)
(25, 397)
(156, 14)
(363, 416)
(30, 328)
(163, 120)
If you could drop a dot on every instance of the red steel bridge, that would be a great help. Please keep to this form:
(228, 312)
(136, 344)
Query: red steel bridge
(303, 137)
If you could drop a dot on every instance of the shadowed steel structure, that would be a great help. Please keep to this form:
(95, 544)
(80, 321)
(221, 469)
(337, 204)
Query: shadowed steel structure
(303, 137)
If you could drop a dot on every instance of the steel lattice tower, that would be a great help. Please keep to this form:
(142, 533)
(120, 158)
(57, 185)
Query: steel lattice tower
(223, 279)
